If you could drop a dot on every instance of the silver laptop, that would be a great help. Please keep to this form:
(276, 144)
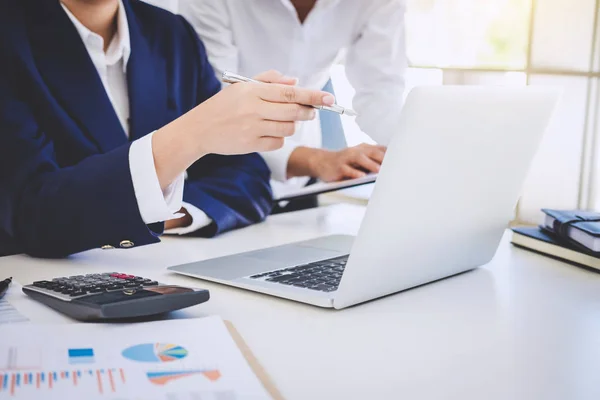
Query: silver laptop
(445, 193)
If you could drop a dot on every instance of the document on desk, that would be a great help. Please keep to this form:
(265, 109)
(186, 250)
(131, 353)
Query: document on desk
(192, 359)
(8, 313)
(326, 187)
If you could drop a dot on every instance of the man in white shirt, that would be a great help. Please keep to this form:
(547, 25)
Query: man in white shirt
(304, 39)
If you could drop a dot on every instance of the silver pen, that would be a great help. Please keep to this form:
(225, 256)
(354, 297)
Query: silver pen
(230, 77)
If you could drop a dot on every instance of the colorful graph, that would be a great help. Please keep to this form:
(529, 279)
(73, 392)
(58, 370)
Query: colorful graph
(155, 352)
(98, 380)
(81, 356)
(164, 377)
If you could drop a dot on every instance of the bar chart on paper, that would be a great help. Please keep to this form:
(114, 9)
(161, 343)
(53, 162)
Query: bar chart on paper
(163, 360)
(76, 381)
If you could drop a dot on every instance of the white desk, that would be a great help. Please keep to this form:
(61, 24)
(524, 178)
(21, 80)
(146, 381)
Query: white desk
(523, 327)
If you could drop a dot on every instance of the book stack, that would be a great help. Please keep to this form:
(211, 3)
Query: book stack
(569, 235)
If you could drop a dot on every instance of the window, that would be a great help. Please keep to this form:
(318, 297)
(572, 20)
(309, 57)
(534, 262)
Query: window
(468, 33)
(518, 42)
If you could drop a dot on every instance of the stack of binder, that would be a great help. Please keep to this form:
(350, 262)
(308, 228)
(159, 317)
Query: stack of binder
(571, 235)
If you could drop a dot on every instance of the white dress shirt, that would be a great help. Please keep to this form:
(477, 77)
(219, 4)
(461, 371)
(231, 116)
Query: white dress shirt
(252, 36)
(155, 205)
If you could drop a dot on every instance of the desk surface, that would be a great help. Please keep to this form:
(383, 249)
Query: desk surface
(522, 327)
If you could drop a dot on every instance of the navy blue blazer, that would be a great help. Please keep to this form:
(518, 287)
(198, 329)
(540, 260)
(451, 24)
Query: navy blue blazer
(65, 184)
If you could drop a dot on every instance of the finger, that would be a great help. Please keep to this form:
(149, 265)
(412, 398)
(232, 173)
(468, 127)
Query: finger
(365, 163)
(278, 129)
(269, 76)
(376, 154)
(287, 80)
(274, 76)
(286, 112)
(373, 146)
(276, 93)
(350, 172)
(269, 143)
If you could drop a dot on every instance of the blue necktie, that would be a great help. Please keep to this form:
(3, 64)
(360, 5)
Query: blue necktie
(331, 126)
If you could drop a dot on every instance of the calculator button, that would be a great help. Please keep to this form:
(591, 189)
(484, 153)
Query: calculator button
(80, 285)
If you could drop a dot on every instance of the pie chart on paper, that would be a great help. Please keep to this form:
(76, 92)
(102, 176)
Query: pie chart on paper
(155, 352)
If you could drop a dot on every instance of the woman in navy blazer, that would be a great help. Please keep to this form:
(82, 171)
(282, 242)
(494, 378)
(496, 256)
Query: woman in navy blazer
(65, 179)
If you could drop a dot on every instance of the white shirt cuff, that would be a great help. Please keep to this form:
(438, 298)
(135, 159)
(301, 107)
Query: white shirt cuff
(199, 220)
(155, 205)
(277, 160)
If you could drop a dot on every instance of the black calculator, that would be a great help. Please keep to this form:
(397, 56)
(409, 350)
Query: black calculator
(112, 296)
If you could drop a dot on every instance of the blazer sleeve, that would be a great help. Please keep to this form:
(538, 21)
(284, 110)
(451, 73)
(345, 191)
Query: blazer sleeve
(234, 191)
(52, 211)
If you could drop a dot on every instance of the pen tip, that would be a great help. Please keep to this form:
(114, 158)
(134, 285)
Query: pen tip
(350, 113)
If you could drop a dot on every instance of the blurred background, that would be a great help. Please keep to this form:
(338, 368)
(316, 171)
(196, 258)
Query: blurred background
(520, 42)
(513, 42)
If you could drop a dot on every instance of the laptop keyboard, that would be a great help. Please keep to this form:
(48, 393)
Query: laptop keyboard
(324, 276)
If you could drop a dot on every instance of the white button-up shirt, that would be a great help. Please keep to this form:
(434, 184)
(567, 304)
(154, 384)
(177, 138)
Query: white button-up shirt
(252, 36)
(155, 205)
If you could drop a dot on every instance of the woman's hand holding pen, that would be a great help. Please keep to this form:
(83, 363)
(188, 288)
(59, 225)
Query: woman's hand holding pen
(242, 118)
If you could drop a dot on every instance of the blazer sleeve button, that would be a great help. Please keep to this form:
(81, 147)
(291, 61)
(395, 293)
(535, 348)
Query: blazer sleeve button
(126, 244)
